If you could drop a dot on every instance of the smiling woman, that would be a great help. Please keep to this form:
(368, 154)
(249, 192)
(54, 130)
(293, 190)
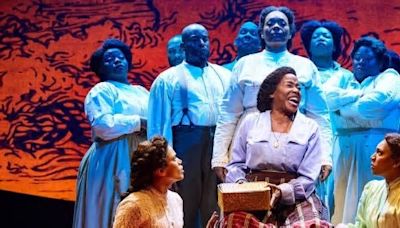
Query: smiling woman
(279, 140)
(277, 29)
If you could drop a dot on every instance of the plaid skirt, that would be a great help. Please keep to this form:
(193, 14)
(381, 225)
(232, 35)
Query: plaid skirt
(307, 213)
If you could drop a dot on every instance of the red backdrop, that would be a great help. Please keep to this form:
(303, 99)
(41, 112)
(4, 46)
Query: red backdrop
(44, 74)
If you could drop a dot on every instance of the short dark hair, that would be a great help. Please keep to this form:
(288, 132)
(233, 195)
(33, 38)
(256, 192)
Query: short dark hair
(96, 60)
(285, 10)
(334, 28)
(393, 141)
(149, 156)
(377, 46)
(268, 87)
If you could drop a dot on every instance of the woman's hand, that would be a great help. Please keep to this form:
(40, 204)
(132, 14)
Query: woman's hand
(221, 173)
(143, 124)
(275, 196)
(325, 171)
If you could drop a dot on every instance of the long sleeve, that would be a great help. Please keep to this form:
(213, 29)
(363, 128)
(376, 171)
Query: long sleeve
(362, 216)
(238, 163)
(160, 108)
(106, 121)
(378, 99)
(231, 108)
(316, 108)
(304, 184)
(339, 92)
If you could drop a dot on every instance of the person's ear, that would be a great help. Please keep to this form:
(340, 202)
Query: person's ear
(160, 172)
(396, 163)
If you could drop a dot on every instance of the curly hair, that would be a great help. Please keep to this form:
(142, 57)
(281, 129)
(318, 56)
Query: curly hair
(268, 87)
(393, 141)
(283, 9)
(377, 46)
(96, 60)
(334, 28)
(149, 156)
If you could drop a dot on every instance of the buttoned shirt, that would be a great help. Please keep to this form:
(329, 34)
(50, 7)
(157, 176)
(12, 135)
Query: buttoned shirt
(205, 88)
(298, 152)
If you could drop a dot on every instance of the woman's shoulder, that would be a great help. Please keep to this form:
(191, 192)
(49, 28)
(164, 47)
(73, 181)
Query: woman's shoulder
(140, 89)
(174, 196)
(101, 89)
(389, 72)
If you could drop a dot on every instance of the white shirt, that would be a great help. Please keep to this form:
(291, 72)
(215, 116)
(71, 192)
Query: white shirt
(205, 88)
(114, 109)
(247, 76)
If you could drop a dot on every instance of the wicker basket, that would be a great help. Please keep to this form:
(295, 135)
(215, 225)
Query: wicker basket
(250, 196)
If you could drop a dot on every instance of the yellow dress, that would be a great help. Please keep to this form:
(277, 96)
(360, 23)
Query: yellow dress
(379, 205)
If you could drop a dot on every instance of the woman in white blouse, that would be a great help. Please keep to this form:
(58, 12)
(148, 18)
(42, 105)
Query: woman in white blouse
(116, 111)
(149, 203)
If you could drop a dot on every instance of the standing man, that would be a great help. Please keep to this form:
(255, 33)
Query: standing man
(175, 51)
(183, 107)
(247, 42)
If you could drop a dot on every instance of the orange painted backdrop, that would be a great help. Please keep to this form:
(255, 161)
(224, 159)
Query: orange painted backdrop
(44, 75)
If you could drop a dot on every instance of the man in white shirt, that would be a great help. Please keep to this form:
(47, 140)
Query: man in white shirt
(174, 50)
(183, 107)
(247, 42)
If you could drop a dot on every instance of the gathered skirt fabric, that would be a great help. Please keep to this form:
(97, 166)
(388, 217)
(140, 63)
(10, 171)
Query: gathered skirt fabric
(104, 174)
(307, 213)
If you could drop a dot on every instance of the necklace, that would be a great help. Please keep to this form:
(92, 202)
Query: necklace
(276, 143)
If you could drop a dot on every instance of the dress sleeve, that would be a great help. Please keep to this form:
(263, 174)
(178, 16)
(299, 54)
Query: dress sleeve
(376, 103)
(230, 110)
(302, 187)
(337, 92)
(237, 165)
(107, 122)
(159, 110)
(316, 108)
(361, 217)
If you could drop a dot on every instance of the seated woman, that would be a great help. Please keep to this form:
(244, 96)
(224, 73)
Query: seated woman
(379, 204)
(279, 141)
(155, 168)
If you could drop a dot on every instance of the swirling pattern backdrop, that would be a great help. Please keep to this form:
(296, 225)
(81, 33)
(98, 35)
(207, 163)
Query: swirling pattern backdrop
(45, 47)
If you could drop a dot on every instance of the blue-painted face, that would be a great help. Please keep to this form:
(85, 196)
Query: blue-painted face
(115, 65)
(276, 30)
(321, 43)
(248, 41)
(365, 63)
(196, 45)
